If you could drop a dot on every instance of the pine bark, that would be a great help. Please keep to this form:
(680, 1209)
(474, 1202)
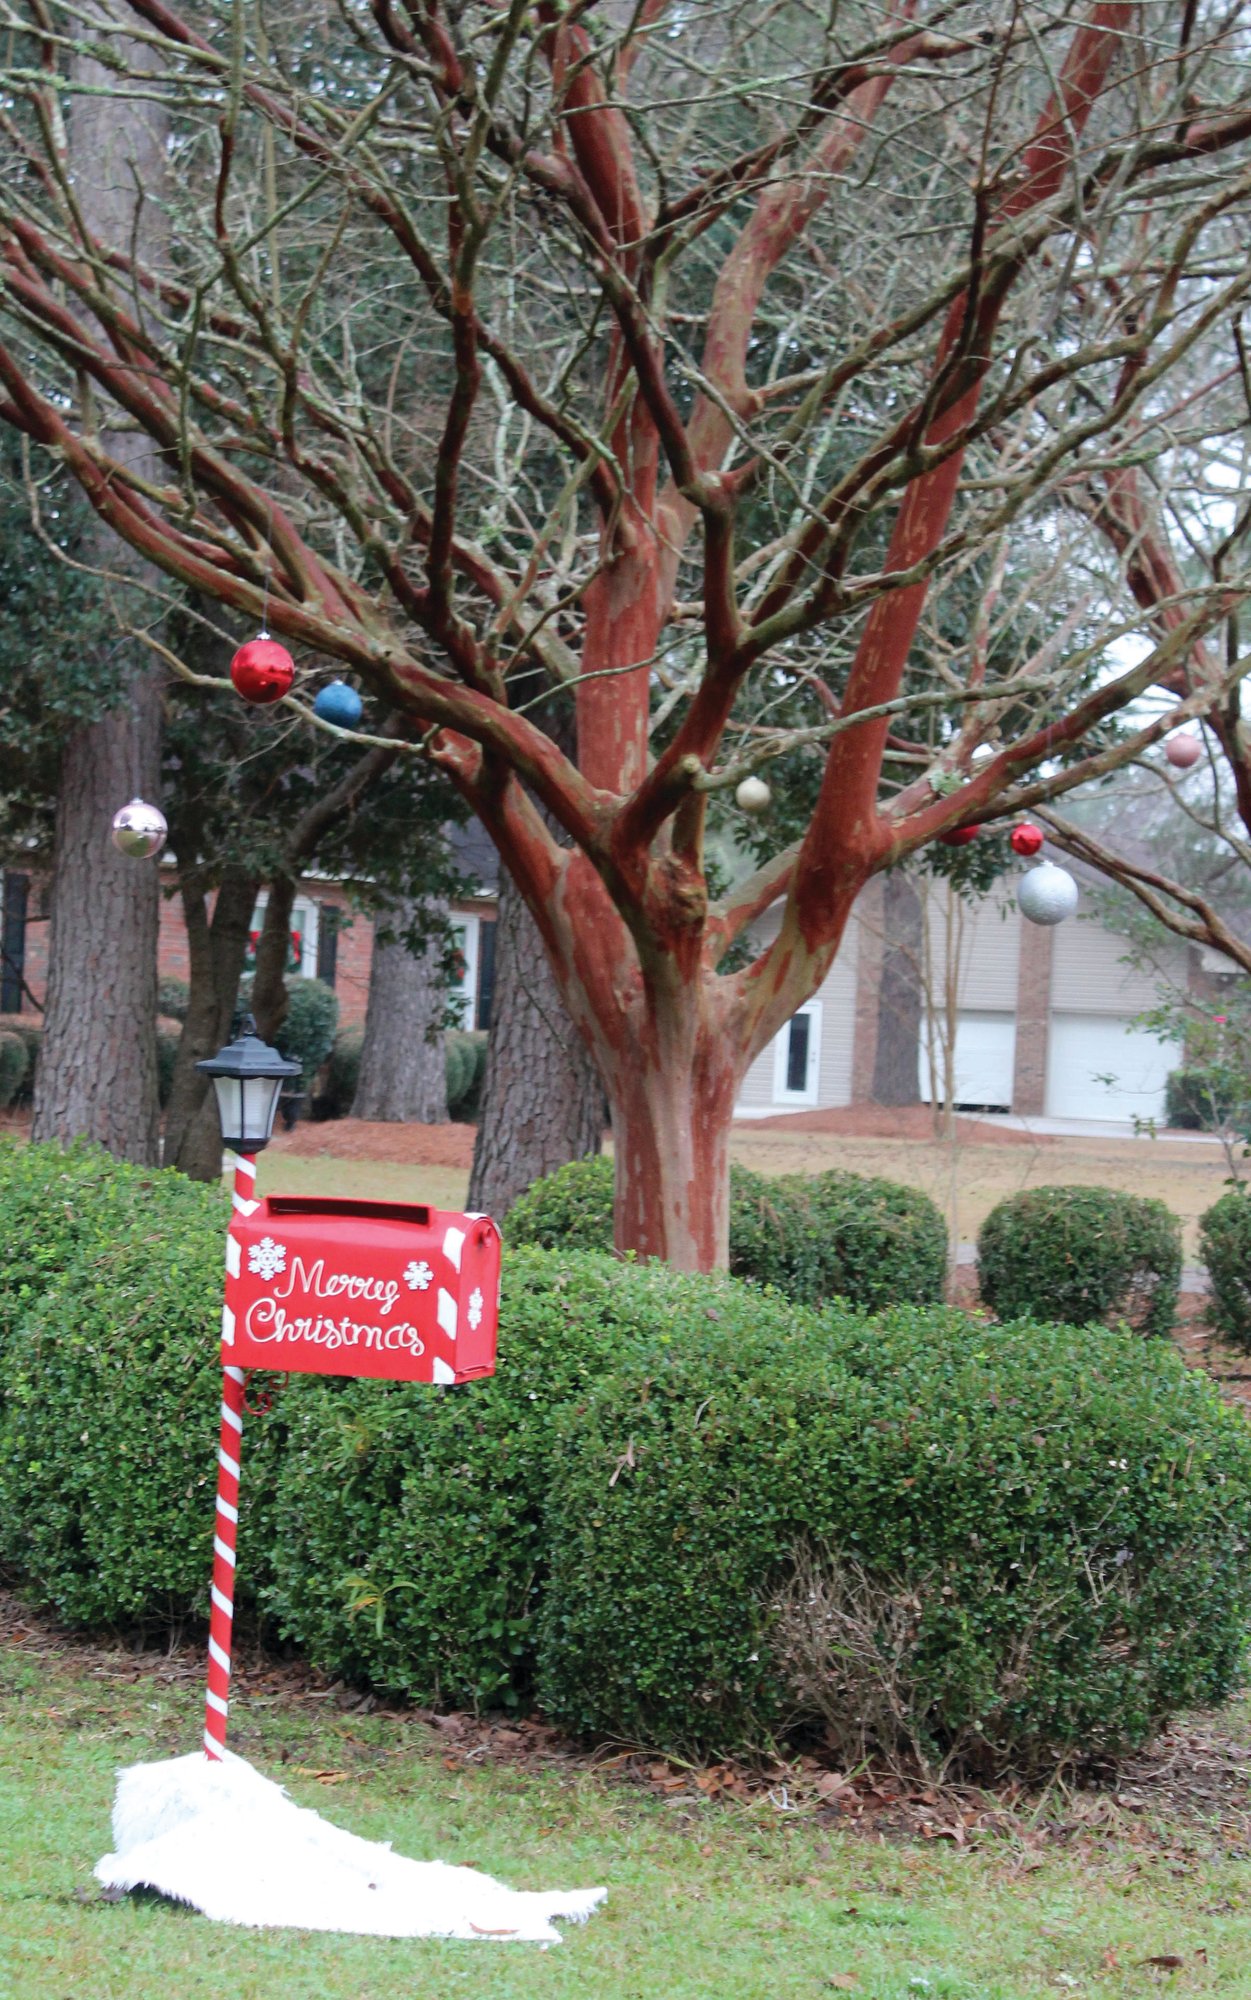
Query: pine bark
(896, 1069)
(217, 949)
(403, 1073)
(97, 1074)
(543, 1101)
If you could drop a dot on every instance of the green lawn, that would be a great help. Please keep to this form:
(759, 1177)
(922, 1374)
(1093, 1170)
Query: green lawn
(736, 1902)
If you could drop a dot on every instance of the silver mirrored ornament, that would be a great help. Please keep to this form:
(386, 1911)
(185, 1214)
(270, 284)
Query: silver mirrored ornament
(1047, 895)
(753, 796)
(139, 830)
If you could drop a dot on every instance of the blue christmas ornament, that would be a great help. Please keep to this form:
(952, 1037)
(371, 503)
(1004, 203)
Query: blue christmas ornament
(340, 704)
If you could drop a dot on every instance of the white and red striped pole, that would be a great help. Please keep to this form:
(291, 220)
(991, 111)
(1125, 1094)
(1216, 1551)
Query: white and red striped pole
(226, 1524)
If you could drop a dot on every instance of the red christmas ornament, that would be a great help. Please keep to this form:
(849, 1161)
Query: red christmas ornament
(1183, 750)
(1026, 838)
(262, 671)
(959, 836)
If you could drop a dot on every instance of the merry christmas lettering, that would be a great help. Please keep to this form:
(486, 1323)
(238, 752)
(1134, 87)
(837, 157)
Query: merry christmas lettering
(268, 1320)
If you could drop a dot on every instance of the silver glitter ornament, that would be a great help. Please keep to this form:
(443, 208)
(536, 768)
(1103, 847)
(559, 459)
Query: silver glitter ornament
(139, 830)
(1047, 895)
(753, 796)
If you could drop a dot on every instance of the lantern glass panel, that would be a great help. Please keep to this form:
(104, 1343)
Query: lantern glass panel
(246, 1107)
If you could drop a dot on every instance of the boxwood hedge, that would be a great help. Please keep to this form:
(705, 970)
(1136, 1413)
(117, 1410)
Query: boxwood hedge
(813, 1236)
(108, 1434)
(1079, 1254)
(1225, 1246)
(412, 1544)
(1047, 1532)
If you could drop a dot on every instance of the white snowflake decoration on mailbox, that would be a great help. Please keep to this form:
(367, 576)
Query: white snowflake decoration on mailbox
(418, 1277)
(474, 1314)
(267, 1258)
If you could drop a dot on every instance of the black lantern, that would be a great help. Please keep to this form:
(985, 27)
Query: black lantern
(248, 1077)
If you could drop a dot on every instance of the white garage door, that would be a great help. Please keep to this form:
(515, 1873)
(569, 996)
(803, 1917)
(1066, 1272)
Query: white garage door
(985, 1054)
(1099, 1066)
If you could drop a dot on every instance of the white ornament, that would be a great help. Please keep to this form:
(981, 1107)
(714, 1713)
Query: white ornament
(267, 1258)
(139, 830)
(474, 1314)
(418, 1277)
(753, 796)
(1047, 895)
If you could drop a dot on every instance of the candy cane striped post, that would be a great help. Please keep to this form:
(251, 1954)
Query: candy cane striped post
(226, 1525)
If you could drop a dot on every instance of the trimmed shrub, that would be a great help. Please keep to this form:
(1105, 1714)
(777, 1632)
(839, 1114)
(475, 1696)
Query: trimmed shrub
(411, 1548)
(1205, 1096)
(30, 1034)
(108, 1441)
(14, 1063)
(307, 1033)
(340, 1076)
(56, 1204)
(568, 1210)
(166, 1056)
(814, 1237)
(1225, 1246)
(1081, 1254)
(837, 1235)
(466, 1069)
(988, 1548)
(173, 998)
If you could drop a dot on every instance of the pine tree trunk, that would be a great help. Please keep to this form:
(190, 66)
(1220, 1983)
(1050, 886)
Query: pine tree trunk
(217, 948)
(896, 1069)
(97, 1061)
(543, 1101)
(403, 1073)
(97, 1071)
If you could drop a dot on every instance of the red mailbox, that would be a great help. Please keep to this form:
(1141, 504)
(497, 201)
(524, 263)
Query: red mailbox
(361, 1288)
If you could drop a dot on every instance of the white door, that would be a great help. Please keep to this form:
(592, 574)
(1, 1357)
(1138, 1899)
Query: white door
(985, 1056)
(1101, 1066)
(797, 1057)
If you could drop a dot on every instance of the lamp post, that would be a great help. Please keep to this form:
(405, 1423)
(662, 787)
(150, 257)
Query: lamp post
(247, 1077)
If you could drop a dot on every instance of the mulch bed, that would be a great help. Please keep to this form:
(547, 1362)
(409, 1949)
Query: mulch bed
(358, 1139)
(902, 1121)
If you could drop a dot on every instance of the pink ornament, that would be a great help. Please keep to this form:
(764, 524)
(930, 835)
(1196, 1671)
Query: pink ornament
(1026, 839)
(959, 836)
(262, 671)
(1183, 750)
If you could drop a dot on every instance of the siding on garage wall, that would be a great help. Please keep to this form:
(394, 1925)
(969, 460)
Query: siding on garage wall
(837, 995)
(988, 946)
(1088, 977)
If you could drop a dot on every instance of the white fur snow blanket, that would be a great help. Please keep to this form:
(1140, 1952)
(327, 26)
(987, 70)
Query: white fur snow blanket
(232, 1844)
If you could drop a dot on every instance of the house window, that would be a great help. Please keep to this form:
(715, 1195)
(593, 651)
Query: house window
(305, 933)
(797, 1057)
(464, 989)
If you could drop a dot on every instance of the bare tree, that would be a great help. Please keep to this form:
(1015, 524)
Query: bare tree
(691, 357)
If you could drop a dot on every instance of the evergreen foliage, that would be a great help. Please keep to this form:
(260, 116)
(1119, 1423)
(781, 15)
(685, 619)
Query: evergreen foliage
(1082, 1253)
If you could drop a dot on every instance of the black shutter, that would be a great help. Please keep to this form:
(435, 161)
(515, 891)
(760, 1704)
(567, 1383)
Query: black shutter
(486, 972)
(13, 942)
(327, 941)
